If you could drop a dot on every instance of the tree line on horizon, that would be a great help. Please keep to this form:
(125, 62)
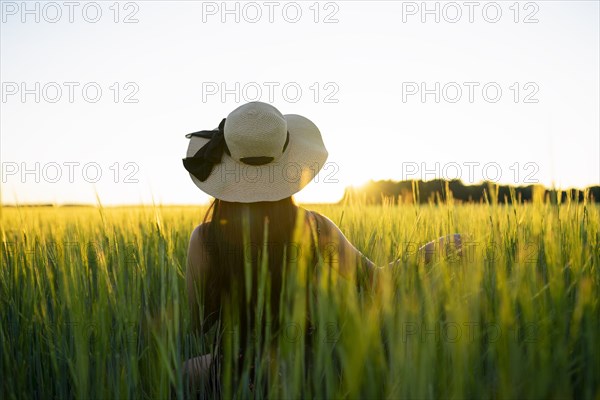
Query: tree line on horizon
(441, 191)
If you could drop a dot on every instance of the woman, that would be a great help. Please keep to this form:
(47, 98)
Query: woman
(252, 164)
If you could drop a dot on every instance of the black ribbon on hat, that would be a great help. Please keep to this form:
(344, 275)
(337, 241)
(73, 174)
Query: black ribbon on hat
(200, 165)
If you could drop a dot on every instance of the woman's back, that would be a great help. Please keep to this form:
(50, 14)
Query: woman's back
(236, 280)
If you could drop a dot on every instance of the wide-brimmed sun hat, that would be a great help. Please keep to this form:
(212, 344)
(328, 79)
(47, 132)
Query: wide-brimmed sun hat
(256, 154)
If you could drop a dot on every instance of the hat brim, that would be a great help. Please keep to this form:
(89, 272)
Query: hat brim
(234, 181)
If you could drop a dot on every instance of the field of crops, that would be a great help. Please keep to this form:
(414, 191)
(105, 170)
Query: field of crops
(93, 305)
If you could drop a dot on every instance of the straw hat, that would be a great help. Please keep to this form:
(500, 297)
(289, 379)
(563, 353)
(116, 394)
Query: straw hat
(256, 154)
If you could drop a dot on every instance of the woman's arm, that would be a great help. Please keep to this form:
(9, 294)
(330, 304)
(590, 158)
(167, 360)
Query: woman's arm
(338, 252)
(198, 289)
(197, 369)
(446, 246)
(192, 276)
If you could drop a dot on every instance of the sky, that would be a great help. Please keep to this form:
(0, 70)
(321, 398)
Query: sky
(97, 96)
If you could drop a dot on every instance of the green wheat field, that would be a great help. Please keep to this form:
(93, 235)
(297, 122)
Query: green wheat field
(93, 305)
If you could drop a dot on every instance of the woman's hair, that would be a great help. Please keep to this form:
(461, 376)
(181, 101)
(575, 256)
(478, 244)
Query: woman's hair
(235, 242)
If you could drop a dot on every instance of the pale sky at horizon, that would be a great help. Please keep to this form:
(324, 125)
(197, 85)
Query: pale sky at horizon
(366, 61)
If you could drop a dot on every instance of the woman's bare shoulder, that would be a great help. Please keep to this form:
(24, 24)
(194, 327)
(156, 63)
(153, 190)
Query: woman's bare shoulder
(199, 233)
(320, 217)
(326, 227)
(198, 246)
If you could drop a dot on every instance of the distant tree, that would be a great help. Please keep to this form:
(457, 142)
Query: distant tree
(439, 190)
